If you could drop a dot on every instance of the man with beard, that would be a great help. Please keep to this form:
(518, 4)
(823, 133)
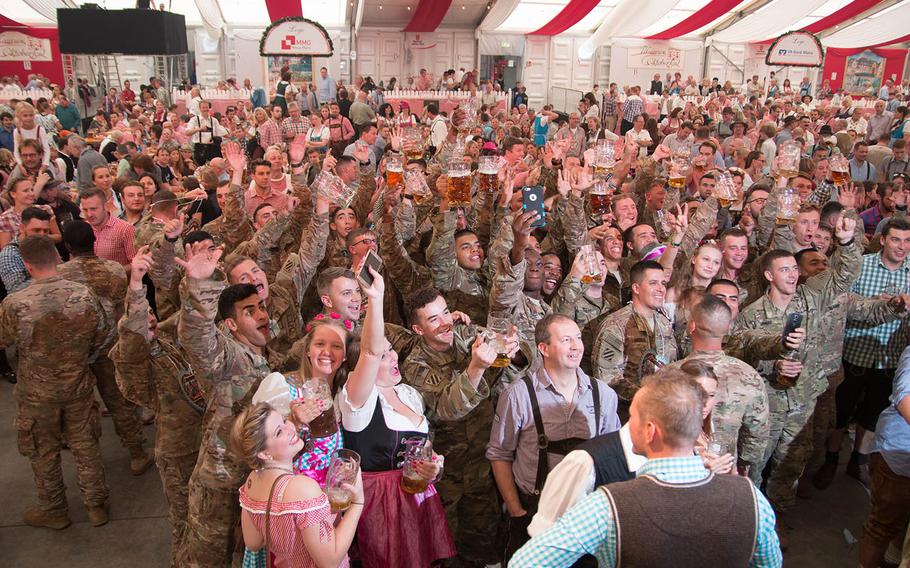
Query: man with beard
(795, 382)
(626, 337)
(450, 366)
(883, 209)
(231, 362)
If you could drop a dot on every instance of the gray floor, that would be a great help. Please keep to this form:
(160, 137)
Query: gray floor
(138, 534)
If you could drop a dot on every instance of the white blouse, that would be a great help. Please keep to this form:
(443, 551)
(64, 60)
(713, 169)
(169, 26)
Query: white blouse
(357, 419)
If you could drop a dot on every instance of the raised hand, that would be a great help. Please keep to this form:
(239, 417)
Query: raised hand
(198, 265)
(846, 195)
(678, 221)
(234, 155)
(845, 228)
(140, 266)
(173, 228)
(563, 183)
(395, 137)
(375, 290)
(482, 353)
(328, 163)
(362, 151)
(521, 226)
(297, 149)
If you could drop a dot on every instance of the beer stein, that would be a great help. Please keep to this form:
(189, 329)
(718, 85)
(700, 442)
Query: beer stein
(417, 449)
(725, 190)
(840, 170)
(788, 155)
(679, 169)
(343, 470)
(497, 330)
(591, 264)
(333, 188)
(394, 171)
(787, 206)
(488, 174)
(459, 183)
(415, 185)
(412, 142)
(604, 159)
(599, 198)
(326, 423)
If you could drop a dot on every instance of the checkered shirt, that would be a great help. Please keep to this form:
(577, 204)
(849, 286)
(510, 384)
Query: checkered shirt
(632, 108)
(590, 528)
(270, 134)
(115, 240)
(877, 347)
(294, 128)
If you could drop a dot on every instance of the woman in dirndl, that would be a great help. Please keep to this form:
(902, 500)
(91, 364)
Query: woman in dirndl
(380, 417)
(281, 92)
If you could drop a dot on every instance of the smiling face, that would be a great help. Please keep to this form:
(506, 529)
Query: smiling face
(552, 274)
(706, 262)
(652, 289)
(783, 275)
(735, 251)
(389, 374)
(250, 322)
(326, 350)
(468, 251)
(565, 349)
(248, 272)
(434, 323)
(282, 442)
(343, 298)
(533, 271)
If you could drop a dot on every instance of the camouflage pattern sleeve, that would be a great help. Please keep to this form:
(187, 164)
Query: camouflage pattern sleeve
(554, 241)
(567, 296)
(448, 397)
(164, 272)
(753, 434)
(699, 225)
(363, 196)
(574, 224)
(671, 200)
(483, 225)
(753, 345)
(131, 353)
(608, 360)
(196, 330)
(871, 312)
(441, 252)
(9, 328)
(300, 270)
(404, 272)
(403, 340)
(783, 238)
(501, 245)
(300, 215)
(843, 270)
(264, 244)
(765, 224)
(508, 284)
(405, 221)
(233, 211)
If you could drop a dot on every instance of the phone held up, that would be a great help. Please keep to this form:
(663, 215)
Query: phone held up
(532, 200)
(371, 260)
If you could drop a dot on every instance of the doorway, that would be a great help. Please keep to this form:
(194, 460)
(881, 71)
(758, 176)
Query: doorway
(502, 69)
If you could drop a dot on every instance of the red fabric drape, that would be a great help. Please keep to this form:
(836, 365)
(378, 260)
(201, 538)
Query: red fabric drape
(893, 41)
(428, 15)
(712, 11)
(283, 9)
(567, 17)
(836, 62)
(851, 10)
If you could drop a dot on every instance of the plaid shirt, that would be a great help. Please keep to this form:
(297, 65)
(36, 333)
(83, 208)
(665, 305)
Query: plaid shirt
(877, 347)
(10, 219)
(590, 528)
(294, 128)
(115, 241)
(12, 270)
(270, 134)
(632, 108)
(609, 106)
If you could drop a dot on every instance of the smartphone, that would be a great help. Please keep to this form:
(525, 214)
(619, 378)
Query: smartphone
(793, 322)
(532, 200)
(373, 261)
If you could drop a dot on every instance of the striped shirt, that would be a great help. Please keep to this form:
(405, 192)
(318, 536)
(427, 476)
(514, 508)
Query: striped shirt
(878, 347)
(590, 527)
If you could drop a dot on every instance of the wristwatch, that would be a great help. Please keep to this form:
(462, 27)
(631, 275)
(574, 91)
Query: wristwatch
(298, 164)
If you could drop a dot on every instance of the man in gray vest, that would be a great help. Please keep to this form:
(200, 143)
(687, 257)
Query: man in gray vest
(674, 501)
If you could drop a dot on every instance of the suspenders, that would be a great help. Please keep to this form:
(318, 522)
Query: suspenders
(559, 447)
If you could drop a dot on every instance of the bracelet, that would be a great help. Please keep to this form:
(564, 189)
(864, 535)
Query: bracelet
(170, 240)
(675, 245)
(297, 165)
(356, 503)
(848, 243)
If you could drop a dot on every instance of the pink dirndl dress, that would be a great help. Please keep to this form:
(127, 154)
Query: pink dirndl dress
(288, 519)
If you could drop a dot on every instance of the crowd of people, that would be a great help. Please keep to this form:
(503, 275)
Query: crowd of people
(382, 336)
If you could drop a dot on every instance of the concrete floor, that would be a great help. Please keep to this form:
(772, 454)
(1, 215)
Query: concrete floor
(139, 533)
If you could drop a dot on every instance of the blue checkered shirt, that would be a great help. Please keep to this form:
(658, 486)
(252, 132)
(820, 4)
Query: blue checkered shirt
(632, 108)
(12, 269)
(880, 346)
(589, 527)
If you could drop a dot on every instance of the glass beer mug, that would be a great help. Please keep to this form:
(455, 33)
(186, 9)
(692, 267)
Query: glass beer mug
(415, 185)
(417, 449)
(725, 190)
(412, 142)
(604, 159)
(333, 188)
(599, 198)
(468, 117)
(679, 168)
(789, 154)
(394, 171)
(488, 174)
(326, 424)
(591, 265)
(840, 170)
(787, 206)
(343, 470)
(497, 330)
(459, 183)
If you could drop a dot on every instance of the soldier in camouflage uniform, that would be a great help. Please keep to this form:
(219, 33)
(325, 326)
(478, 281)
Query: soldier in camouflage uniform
(791, 405)
(152, 371)
(107, 280)
(627, 336)
(231, 363)
(740, 415)
(458, 389)
(55, 393)
(232, 227)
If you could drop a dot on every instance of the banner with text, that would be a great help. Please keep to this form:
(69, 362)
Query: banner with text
(655, 57)
(16, 46)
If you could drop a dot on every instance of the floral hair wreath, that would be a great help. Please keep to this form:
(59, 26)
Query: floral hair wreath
(348, 324)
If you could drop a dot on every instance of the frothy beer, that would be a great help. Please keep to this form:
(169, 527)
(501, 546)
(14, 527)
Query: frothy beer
(459, 189)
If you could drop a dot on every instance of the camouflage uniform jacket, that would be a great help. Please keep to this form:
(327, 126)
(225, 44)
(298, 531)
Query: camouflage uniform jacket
(447, 274)
(106, 279)
(264, 246)
(860, 311)
(149, 372)
(812, 300)
(58, 327)
(287, 293)
(227, 235)
(741, 412)
(620, 344)
(232, 372)
(508, 300)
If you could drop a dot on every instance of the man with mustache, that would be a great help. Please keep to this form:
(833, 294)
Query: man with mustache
(450, 366)
(794, 383)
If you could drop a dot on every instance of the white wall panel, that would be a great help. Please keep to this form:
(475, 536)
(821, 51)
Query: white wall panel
(535, 75)
(623, 74)
(582, 69)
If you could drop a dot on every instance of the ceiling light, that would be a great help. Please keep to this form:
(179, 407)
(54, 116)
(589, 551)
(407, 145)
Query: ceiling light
(380, 6)
(462, 6)
(409, 8)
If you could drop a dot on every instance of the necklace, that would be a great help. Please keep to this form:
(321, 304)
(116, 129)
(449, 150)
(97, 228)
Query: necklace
(279, 467)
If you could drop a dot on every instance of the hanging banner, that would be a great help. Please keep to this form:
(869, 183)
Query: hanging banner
(864, 73)
(796, 49)
(655, 57)
(296, 37)
(16, 46)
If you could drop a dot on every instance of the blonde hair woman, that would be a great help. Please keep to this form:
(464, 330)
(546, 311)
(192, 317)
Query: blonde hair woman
(27, 128)
(300, 531)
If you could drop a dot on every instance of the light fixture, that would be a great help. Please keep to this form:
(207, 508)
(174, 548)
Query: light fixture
(462, 7)
(409, 8)
(380, 6)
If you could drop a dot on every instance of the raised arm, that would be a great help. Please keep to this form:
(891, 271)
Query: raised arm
(199, 293)
(373, 345)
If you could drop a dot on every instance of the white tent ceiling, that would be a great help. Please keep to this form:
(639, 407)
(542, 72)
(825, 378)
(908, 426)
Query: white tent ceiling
(747, 21)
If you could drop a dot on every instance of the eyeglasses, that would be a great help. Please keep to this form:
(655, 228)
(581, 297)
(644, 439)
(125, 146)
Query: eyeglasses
(367, 241)
(758, 200)
(28, 155)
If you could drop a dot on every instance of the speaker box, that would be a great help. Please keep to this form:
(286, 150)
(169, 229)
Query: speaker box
(128, 32)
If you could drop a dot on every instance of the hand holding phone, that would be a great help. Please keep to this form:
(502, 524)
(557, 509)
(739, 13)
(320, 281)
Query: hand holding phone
(371, 260)
(532, 200)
